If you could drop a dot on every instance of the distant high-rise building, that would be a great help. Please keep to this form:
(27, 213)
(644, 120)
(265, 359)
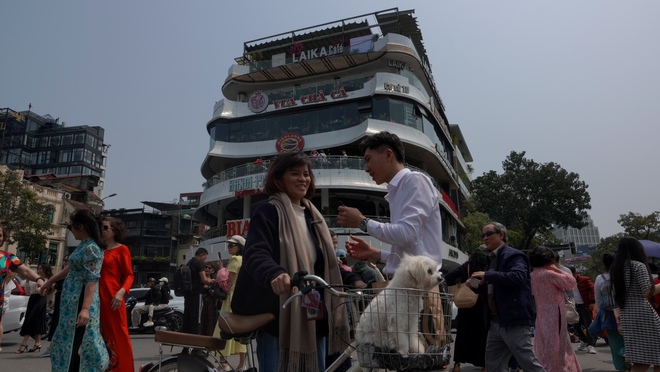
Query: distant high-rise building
(585, 237)
(41, 145)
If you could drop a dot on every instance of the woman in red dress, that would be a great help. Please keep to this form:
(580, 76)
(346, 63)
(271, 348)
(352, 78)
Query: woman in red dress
(116, 280)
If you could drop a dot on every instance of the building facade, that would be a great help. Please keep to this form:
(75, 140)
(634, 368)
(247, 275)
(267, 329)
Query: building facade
(40, 145)
(322, 90)
(585, 238)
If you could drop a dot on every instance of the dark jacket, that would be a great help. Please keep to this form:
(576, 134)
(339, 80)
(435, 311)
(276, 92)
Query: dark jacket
(512, 288)
(253, 293)
(366, 272)
(153, 296)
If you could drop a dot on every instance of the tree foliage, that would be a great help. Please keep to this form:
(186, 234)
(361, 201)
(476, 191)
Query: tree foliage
(474, 223)
(531, 197)
(26, 220)
(639, 226)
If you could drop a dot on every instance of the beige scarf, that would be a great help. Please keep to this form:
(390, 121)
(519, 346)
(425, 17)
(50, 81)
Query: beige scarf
(297, 334)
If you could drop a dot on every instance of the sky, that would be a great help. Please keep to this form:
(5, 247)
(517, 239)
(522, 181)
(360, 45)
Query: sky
(573, 82)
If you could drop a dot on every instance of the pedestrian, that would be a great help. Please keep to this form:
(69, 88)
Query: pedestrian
(640, 324)
(115, 282)
(605, 318)
(552, 345)
(471, 329)
(34, 324)
(415, 227)
(584, 304)
(9, 266)
(286, 235)
(192, 302)
(209, 308)
(80, 309)
(509, 309)
(151, 303)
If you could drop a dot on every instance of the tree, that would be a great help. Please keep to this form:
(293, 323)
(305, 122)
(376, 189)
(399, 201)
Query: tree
(474, 223)
(639, 226)
(26, 220)
(531, 197)
(594, 265)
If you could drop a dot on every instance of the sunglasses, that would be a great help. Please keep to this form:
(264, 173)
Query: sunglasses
(106, 227)
(488, 233)
(69, 227)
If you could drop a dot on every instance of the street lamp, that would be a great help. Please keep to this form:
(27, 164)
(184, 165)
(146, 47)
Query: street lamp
(109, 196)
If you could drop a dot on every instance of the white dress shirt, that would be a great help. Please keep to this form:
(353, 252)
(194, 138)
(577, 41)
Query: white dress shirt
(415, 226)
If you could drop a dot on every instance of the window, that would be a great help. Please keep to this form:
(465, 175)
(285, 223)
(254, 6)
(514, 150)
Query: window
(55, 141)
(79, 138)
(67, 139)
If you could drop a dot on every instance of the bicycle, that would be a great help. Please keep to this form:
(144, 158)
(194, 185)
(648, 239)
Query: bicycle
(242, 328)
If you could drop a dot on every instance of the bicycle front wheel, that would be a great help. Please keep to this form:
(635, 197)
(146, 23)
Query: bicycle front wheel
(183, 363)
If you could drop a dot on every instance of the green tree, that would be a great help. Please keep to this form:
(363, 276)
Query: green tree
(531, 197)
(594, 265)
(640, 226)
(474, 223)
(25, 219)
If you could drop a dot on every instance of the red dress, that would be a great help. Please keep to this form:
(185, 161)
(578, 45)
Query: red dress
(114, 325)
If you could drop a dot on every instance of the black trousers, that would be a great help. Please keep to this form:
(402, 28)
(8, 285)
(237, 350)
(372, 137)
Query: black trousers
(191, 313)
(582, 327)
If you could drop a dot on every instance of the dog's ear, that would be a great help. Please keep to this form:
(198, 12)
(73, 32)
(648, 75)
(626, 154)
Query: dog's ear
(415, 269)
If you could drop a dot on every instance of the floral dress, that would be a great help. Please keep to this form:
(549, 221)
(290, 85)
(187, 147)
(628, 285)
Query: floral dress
(232, 346)
(8, 261)
(84, 267)
(551, 343)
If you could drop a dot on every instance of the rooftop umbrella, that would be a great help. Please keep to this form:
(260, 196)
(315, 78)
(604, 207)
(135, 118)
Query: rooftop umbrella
(651, 248)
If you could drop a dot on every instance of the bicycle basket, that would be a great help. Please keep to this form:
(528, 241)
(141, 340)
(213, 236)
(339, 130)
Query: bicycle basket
(378, 334)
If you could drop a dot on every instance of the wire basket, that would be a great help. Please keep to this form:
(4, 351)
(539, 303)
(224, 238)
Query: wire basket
(391, 318)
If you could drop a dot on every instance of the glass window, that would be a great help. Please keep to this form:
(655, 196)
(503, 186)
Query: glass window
(75, 170)
(77, 155)
(67, 139)
(55, 141)
(43, 142)
(79, 138)
(91, 141)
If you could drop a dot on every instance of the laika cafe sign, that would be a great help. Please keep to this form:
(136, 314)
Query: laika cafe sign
(298, 54)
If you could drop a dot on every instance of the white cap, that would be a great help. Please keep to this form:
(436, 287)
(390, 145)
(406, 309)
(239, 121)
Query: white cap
(237, 239)
(163, 279)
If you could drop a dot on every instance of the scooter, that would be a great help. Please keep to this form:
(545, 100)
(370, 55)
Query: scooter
(167, 319)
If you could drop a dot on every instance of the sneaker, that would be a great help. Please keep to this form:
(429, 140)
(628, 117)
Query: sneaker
(591, 349)
(148, 324)
(583, 345)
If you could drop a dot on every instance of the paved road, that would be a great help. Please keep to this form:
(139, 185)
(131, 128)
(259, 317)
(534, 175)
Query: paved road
(146, 350)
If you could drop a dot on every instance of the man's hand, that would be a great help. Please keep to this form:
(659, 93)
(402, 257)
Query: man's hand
(361, 250)
(479, 275)
(349, 217)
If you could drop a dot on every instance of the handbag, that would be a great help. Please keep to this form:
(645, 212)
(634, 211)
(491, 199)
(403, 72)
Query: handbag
(572, 316)
(464, 297)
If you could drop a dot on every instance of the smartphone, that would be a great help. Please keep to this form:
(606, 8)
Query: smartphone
(340, 204)
(474, 282)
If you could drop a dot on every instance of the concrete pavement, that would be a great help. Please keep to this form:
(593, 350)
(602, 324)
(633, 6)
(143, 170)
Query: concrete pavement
(145, 350)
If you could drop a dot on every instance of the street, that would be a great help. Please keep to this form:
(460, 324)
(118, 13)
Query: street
(145, 350)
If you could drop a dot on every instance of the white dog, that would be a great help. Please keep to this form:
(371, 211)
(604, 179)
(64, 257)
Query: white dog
(391, 319)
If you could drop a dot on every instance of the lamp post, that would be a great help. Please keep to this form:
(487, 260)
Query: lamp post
(102, 200)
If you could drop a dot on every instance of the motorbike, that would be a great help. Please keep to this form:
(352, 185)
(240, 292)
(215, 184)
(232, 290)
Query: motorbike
(167, 319)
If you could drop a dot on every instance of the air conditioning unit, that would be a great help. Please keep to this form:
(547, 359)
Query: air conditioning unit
(67, 195)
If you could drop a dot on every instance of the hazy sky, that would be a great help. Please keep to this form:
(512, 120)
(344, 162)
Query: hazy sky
(574, 82)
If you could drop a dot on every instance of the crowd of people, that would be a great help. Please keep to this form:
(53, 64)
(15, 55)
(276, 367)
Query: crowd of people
(518, 320)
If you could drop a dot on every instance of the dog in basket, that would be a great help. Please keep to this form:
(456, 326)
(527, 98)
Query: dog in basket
(391, 320)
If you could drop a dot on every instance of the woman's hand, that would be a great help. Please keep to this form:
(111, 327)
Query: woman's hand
(281, 284)
(46, 288)
(116, 301)
(83, 318)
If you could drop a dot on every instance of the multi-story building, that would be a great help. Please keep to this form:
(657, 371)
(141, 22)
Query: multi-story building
(40, 145)
(585, 239)
(160, 236)
(322, 89)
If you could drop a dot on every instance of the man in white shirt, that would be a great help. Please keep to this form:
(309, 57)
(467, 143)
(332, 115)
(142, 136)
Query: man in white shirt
(415, 227)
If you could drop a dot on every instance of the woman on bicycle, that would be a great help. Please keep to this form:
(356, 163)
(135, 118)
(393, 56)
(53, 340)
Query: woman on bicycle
(286, 235)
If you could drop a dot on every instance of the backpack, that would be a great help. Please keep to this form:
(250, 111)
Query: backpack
(606, 299)
(182, 281)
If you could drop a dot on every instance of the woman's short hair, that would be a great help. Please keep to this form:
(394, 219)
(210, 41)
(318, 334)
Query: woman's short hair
(541, 256)
(48, 271)
(117, 227)
(283, 163)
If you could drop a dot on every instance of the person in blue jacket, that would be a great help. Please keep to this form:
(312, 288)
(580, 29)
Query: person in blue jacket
(510, 308)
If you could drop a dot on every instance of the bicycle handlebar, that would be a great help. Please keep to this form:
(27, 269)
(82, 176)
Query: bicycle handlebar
(306, 282)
